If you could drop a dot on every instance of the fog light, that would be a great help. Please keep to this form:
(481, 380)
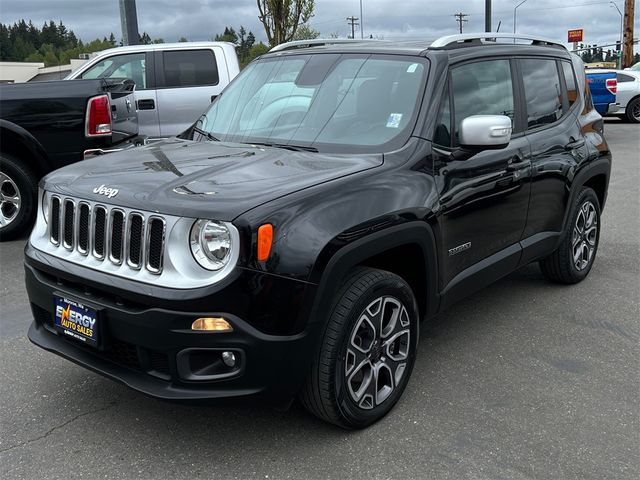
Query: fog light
(229, 359)
(212, 324)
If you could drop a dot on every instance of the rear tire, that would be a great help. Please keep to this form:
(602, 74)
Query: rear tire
(18, 197)
(368, 350)
(632, 112)
(573, 259)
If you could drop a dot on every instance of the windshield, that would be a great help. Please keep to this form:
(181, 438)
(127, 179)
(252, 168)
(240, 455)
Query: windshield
(327, 101)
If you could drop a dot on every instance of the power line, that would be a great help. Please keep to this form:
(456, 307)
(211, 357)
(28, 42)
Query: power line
(460, 19)
(353, 22)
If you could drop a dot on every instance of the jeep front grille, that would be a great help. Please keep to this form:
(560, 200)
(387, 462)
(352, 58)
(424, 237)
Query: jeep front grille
(109, 233)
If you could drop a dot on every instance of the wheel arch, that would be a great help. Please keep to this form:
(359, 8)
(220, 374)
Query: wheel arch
(598, 183)
(18, 142)
(381, 250)
(595, 176)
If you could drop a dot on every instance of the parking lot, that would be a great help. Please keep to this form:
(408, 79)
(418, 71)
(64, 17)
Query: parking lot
(525, 379)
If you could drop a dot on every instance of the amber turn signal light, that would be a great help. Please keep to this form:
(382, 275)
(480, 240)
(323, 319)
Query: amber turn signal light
(265, 239)
(211, 324)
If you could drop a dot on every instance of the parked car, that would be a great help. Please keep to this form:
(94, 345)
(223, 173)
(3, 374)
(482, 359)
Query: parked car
(627, 104)
(175, 82)
(46, 125)
(327, 202)
(603, 85)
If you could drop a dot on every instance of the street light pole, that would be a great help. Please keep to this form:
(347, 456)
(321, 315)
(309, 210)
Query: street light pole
(515, 11)
(621, 34)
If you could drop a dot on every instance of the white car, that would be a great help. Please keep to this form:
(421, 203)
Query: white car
(627, 104)
(175, 82)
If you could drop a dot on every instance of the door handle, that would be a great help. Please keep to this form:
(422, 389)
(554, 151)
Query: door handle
(146, 104)
(213, 97)
(516, 163)
(574, 144)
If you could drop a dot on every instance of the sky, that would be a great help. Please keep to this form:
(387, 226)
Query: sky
(391, 20)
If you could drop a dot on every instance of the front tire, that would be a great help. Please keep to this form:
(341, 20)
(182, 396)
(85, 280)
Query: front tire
(368, 350)
(573, 259)
(18, 196)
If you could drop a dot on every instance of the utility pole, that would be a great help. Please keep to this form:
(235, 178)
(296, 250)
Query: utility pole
(129, 22)
(487, 15)
(353, 22)
(627, 47)
(460, 19)
(361, 22)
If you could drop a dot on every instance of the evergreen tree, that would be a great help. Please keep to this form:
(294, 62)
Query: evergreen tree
(145, 39)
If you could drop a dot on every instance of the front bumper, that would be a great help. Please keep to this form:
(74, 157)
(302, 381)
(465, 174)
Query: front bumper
(152, 349)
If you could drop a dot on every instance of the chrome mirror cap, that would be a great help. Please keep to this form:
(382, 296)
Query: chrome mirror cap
(485, 131)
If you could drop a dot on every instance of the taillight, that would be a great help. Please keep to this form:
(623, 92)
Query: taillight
(98, 120)
(612, 85)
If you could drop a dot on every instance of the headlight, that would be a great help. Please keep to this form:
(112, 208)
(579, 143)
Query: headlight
(211, 244)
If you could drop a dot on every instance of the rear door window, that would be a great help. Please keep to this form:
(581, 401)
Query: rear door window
(543, 91)
(190, 68)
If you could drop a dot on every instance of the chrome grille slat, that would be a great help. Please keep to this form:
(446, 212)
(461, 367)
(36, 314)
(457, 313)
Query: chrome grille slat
(54, 220)
(68, 224)
(135, 240)
(116, 234)
(111, 234)
(99, 229)
(155, 238)
(83, 228)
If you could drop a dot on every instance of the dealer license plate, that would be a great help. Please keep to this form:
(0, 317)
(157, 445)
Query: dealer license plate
(76, 320)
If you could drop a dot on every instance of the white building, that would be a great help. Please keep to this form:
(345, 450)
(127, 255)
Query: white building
(17, 72)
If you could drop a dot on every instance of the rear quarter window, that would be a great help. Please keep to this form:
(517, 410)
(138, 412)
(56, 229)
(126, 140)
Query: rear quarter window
(570, 82)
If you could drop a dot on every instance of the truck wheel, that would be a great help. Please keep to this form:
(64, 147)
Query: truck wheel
(573, 259)
(18, 194)
(368, 350)
(633, 110)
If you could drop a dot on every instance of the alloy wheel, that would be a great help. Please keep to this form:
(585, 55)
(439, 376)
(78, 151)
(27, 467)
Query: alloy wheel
(585, 236)
(377, 352)
(635, 112)
(10, 200)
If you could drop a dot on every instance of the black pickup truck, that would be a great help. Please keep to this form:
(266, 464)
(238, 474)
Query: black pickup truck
(47, 125)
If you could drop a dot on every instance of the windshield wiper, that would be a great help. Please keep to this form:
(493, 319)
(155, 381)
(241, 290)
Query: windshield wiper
(286, 146)
(205, 134)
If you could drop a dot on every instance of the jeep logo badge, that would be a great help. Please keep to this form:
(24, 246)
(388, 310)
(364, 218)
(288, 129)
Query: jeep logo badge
(106, 191)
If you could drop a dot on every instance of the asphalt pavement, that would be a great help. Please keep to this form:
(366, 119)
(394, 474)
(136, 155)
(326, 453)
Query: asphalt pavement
(523, 380)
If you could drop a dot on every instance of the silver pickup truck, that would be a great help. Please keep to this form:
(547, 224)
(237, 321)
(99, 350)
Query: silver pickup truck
(175, 82)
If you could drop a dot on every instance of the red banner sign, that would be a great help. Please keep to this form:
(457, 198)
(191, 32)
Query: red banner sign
(576, 35)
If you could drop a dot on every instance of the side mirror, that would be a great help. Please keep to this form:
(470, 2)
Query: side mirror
(485, 132)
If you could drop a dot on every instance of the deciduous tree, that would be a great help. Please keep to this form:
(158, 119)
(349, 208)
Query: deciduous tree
(282, 18)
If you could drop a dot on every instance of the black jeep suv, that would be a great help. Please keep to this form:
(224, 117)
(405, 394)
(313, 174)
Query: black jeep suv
(333, 196)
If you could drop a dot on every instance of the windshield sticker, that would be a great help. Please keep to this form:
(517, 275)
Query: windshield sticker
(394, 120)
(412, 68)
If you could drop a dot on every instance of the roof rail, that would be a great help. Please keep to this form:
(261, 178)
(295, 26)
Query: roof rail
(318, 42)
(468, 39)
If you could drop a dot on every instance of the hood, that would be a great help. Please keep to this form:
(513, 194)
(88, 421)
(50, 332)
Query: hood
(201, 179)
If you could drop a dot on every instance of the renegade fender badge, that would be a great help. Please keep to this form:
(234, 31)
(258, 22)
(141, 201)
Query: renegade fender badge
(459, 248)
(106, 191)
